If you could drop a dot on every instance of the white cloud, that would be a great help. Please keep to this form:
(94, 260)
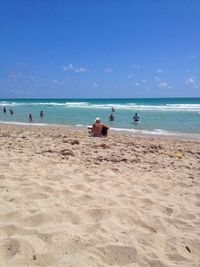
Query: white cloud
(70, 67)
(16, 76)
(131, 75)
(108, 70)
(81, 69)
(135, 66)
(163, 84)
(56, 82)
(95, 85)
(144, 81)
(159, 70)
(192, 82)
(137, 84)
(157, 79)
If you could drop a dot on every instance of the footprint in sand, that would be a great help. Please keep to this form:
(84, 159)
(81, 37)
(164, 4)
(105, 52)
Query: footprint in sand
(10, 216)
(97, 215)
(37, 196)
(146, 201)
(36, 219)
(119, 255)
(10, 247)
(2, 177)
(165, 210)
(9, 229)
(197, 195)
(84, 199)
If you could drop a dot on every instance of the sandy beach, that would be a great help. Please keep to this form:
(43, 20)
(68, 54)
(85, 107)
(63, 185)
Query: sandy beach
(68, 199)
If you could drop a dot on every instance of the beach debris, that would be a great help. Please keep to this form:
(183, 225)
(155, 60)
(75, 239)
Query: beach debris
(34, 257)
(104, 146)
(67, 152)
(188, 249)
(114, 160)
(156, 147)
(75, 142)
(179, 155)
(48, 151)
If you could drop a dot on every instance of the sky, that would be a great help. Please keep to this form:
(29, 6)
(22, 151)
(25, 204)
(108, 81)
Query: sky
(99, 48)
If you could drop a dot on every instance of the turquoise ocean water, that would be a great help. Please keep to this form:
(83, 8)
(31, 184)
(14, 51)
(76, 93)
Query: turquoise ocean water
(164, 116)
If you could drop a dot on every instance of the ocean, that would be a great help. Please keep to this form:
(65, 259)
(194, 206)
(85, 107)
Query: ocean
(158, 116)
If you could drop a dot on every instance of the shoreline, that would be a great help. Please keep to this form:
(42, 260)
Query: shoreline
(132, 132)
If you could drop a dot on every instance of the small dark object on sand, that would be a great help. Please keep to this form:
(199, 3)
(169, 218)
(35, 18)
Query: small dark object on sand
(67, 152)
(188, 249)
(75, 142)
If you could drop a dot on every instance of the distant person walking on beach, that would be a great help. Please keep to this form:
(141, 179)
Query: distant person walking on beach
(41, 114)
(30, 118)
(4, 110)
(136, 118)
(99, 129)
(11, 112)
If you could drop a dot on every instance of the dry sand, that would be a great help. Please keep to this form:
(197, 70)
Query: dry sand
(71, 200)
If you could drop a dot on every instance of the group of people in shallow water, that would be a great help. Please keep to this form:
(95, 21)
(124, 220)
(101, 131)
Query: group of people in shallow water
(111, 117)
(11, 111)
(136, 118)
(30, 117)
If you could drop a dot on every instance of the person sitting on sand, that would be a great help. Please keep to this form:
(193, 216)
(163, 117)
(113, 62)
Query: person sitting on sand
(99, 129)
(136, 118)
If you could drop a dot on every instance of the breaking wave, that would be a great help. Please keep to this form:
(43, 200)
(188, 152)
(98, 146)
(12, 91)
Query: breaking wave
(125, 106)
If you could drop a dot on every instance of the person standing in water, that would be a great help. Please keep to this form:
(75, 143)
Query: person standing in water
(4, 110)
(111, 117)
(11, 112)
(41, 114)
(30, 118)
(136, 118)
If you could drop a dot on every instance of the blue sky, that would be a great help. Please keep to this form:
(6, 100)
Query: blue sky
(99, 48)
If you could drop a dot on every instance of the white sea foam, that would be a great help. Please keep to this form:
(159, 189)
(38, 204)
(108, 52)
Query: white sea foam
(159, 132)
(155, 131)
(125, 106)
(69, 104)
(23, 123)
